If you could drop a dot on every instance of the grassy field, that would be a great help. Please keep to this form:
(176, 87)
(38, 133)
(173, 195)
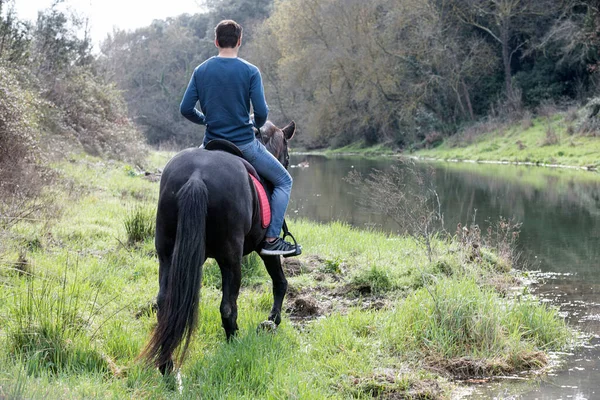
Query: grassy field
(366, 313)
(540, 141)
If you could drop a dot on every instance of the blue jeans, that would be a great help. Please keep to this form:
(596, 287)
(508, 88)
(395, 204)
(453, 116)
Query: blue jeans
(271, 169)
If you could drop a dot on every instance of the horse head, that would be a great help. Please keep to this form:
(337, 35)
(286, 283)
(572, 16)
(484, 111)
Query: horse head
(276, 140)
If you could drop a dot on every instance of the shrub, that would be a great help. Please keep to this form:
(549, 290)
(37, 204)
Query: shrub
(433, 139)
(94, 113)
(140, 224)
(375, 279)
(22, 177)
(589, 121)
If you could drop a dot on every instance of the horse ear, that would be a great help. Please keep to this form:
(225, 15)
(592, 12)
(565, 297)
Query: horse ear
(289, 130)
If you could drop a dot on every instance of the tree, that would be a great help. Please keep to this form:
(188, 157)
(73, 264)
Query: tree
(153, 65)
(577, 35)
(385, 71)
(14, 34)
(56, 44)
(248, 13)
(509, 23)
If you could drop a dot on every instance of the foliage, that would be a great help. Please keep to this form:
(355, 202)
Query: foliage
(14, 34)
(376, 279)
(50, 323)
(391, 72)
(459, 321)
(56, 44)
(53, 99)
(152, 66)
(523, 142)
(93, 113)
(589, 120)
(22, 177)
(577, 40)
(139, 224)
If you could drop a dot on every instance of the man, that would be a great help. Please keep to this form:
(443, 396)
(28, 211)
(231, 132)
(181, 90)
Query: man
(225, 85)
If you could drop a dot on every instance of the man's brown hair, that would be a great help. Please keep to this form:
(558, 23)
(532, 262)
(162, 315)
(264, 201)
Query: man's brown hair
(227, 33)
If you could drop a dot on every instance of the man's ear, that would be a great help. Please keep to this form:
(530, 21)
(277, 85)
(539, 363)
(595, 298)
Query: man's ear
(216, 43)
(289, 130)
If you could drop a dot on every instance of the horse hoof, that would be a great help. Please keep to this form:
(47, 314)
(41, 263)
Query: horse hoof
(167, 368)
(267, 326)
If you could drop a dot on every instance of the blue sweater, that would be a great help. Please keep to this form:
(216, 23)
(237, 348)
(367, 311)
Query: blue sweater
(225, 87)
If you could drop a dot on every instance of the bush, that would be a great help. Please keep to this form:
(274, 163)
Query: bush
(140, 224)
(94, 113)
(589, 121)
(376, 279)
(22, 177)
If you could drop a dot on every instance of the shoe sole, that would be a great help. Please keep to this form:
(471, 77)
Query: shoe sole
(276, 252)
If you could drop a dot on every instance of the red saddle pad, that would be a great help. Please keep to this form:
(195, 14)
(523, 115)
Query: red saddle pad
(263, 199)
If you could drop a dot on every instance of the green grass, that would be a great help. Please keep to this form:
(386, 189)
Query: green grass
(73, 325)
(139, 224)
(546, 141)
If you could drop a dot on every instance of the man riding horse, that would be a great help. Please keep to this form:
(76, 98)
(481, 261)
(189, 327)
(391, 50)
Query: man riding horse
(209, 203)
(225, 85)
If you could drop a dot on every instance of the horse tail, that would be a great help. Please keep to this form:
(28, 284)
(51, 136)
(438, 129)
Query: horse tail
(178, 315)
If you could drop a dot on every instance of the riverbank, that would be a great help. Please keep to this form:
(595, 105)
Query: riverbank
(544, 141)
(366, 314)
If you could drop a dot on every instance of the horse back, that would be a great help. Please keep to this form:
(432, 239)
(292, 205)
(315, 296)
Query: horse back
(232, 217)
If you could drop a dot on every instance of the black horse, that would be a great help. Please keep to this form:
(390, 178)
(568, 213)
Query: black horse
(208, 207)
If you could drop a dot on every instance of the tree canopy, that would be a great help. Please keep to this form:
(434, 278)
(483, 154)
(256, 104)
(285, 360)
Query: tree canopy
(396, 72)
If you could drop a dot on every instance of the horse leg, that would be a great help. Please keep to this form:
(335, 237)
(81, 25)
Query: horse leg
(164, 247)
(273, 265)
(231, 276)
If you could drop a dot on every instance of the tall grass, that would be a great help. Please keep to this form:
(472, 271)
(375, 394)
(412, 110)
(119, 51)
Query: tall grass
(457, 318)
(140, 224)
(48, 327)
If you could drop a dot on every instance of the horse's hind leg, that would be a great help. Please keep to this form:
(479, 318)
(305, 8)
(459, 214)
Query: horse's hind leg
(273, 265)
(165, 243)
(230, 264)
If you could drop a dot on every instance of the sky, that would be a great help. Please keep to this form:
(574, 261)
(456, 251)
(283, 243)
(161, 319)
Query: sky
(105, 14)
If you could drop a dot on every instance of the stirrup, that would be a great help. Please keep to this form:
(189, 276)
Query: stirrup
(287, 233)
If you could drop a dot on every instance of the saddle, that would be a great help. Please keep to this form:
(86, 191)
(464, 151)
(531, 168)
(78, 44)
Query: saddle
(259, 184)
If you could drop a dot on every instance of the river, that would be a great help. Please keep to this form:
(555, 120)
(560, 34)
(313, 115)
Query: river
(560, 238)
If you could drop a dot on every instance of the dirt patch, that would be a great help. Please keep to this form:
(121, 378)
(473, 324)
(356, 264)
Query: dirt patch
(305, 304)
(304, 307)
(294, 267)
(314, 262)
(394, 384)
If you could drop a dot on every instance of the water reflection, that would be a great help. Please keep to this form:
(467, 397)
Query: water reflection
(560, 212)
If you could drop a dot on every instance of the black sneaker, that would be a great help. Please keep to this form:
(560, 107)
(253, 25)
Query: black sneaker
(279, 247)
